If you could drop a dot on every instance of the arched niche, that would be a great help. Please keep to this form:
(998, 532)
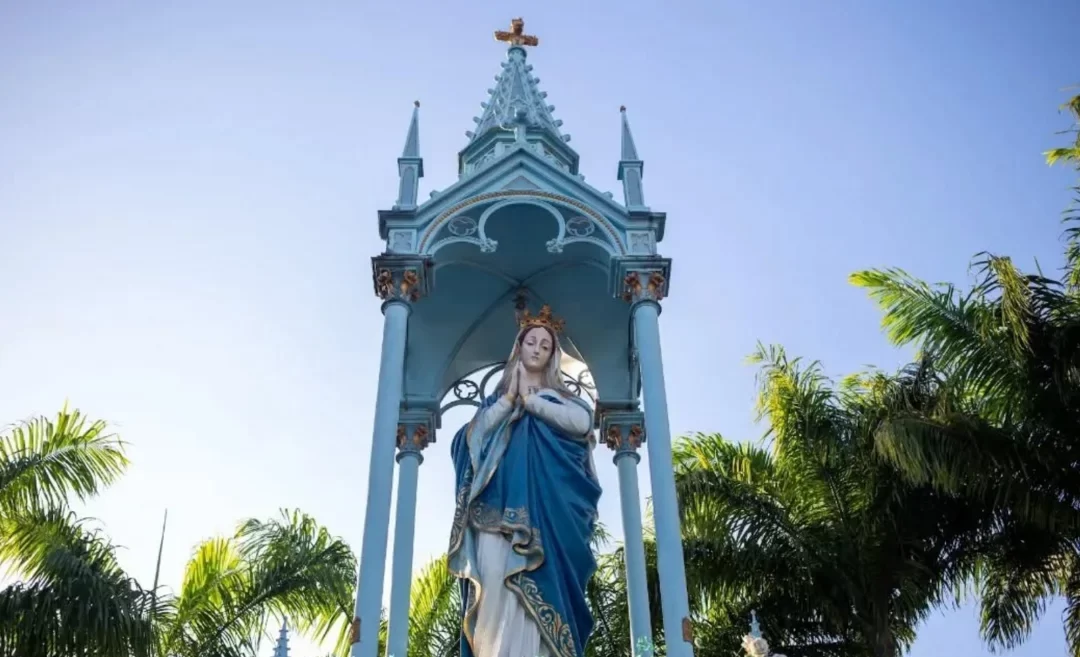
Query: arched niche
(468, 323)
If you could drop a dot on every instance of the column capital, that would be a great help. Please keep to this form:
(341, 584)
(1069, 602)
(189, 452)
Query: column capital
(401, 277)
(623, 430)
(640, 278)
(415, 431)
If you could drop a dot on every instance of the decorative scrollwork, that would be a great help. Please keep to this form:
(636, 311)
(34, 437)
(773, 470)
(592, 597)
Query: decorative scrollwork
(580, 226)
(467, 392)
(582, 385)
(462, 226)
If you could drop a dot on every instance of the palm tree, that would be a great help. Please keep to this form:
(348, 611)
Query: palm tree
(234, 586)
(43, 462)
(72, 597)
(76, 600)
(63, 562)
(836, 553)
(999, 425)
(435, 612)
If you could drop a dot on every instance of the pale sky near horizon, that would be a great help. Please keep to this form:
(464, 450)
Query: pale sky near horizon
(188, 197)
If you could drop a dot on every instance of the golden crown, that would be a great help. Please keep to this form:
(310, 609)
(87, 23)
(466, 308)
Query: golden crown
(543, 318)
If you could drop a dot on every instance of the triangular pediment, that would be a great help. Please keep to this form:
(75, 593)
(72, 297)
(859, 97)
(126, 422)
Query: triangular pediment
(523, 170)
(521, 182)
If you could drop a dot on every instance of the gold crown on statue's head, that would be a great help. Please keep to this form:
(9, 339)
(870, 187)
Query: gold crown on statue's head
(543, 318)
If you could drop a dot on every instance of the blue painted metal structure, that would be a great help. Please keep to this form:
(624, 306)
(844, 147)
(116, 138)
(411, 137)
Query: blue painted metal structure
(519, 223)
(281, 649)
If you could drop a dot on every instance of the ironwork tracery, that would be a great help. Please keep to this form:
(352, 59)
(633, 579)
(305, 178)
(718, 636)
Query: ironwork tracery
(467, 392)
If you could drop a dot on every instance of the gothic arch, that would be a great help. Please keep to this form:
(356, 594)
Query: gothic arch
(613, 242)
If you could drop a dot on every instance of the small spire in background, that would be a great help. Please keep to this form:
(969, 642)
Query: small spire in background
(282, 647)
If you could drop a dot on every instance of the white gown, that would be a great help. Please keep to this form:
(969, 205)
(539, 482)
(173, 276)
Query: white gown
(503, 628)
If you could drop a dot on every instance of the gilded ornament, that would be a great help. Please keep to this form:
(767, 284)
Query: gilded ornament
(420, 437)
(632, 286)
(408, 288)
(635, 436)
(544, 318)
(384, 282)
(634, 290)
(656, 285)
(401, 436)
(614, 437)
(409, 282)
(516, 36)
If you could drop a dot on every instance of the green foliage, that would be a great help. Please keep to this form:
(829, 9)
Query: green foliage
(838, 555)
(997, 427)
(232, 588)
(72, 597)
(435, 612)
(44, 462)
(62, 562)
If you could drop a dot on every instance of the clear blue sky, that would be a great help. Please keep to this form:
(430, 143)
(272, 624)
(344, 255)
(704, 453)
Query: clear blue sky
(188, 196)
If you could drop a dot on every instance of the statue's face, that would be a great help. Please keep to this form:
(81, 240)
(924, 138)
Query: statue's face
(536, 349)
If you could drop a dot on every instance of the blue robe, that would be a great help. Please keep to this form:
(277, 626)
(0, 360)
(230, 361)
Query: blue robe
(535, 485)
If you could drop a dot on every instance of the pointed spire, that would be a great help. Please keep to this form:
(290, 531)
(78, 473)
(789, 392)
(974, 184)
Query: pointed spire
(282, 647)
(631, 168)
(410, 164)
(629, 150)
(515, 98)
(412, 140)
(516, 114)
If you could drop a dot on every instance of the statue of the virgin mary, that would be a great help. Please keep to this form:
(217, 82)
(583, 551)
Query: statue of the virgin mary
(526, 508)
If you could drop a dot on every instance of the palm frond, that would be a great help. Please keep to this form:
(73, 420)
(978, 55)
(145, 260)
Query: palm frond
(288, 566)
(434, 611)
(75, 598)
(43, 462)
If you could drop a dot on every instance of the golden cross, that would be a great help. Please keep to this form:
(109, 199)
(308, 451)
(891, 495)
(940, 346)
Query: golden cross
(516, 36)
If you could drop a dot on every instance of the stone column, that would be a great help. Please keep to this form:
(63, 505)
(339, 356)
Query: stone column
(415, 431)
(623, 433)
(399, 282)
(643, 282)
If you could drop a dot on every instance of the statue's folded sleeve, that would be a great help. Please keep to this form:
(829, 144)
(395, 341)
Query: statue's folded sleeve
(571, 418)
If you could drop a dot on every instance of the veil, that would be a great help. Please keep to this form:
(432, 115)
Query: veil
(552, 379)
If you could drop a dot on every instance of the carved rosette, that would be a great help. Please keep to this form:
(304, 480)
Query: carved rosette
(416, 430)
(637, 279)
(622, 430)
(399, 277)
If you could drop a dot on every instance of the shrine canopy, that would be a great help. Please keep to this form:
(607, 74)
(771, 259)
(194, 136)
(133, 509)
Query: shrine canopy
(520, 225)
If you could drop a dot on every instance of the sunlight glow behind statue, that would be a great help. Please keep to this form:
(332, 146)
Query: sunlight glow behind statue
(527, 496)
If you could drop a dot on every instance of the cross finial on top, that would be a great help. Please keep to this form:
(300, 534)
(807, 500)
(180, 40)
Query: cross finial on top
(516, 36)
